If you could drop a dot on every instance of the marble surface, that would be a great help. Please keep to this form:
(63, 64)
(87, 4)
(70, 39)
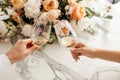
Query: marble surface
(56, 63)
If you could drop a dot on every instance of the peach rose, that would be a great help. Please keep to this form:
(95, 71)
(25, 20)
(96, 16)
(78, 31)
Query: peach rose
(72, 2)
(50, 4)
(78, 12)
(16, 17)
(53, 14)
(18, 4)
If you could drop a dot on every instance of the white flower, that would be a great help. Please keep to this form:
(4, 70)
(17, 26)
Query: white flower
(27, 30)
(9, 10)
(3, 28)
(32, 8)
(68, 9)
(3, 16)
(89, 3)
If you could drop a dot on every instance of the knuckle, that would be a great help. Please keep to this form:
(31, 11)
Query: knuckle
(20, 41)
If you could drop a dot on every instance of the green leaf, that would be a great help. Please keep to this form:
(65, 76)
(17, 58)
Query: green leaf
(90, 30)
(78, 1)
(108, 17)
(90, 13)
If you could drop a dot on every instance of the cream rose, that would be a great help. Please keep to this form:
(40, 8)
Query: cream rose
(50, 4)
(53, 14)
(18, 4)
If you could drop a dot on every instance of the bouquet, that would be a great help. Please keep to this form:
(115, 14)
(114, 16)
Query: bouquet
(18, 17)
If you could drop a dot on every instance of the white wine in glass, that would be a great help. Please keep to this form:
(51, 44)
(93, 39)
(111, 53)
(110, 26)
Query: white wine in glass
(40, 36)
(41, 33)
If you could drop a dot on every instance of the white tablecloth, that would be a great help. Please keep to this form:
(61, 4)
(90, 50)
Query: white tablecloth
(56, 62)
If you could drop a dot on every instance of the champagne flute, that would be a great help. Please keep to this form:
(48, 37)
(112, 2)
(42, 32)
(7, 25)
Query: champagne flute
(69, 43)
(40, 36)
(41, 33)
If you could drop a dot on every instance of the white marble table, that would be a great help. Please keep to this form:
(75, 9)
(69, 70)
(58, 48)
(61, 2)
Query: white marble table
(56, 63)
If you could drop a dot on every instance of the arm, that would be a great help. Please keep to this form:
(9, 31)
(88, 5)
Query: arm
(81, 49)
(110, 55)
(18, 52)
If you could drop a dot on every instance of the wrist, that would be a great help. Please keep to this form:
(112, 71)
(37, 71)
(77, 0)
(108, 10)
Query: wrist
(95, 52)
(98, 53)
(11, 58)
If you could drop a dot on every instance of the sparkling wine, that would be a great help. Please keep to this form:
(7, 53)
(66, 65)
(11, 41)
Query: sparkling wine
(39, 40)
(41, 33)
(68, 41)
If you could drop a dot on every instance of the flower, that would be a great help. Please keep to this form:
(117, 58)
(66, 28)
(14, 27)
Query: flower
(72, 2)
(3, 29)
(32, 8)
(3, 16)
(78, 12)
(50, 4)
(16, 17)
(61, 28)
(18, 4)
(27, 30)
(21, 16)
(53, 14)
(43, 18)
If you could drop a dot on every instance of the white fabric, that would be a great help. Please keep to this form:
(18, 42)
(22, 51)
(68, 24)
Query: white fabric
(4, 63)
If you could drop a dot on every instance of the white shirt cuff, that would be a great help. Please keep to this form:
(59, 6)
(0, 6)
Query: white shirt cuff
(4, 62)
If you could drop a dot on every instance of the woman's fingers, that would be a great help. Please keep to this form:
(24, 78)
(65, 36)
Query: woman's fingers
(75, 54)
(79, 45)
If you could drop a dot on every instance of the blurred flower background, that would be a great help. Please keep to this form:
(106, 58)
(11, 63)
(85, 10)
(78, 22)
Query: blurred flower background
(17, 17)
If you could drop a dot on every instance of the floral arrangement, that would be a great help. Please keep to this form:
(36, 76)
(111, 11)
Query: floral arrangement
(17, 17)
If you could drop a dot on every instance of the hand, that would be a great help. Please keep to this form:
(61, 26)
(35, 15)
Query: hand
(20, 50)
(81, 49)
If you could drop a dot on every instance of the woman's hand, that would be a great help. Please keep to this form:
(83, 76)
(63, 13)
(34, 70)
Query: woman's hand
(21, 49)
(81, 49)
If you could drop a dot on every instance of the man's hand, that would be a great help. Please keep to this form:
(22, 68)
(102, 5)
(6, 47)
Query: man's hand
(21, 49)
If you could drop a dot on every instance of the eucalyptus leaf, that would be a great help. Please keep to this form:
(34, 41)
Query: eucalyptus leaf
(90, 13)
(108, 17)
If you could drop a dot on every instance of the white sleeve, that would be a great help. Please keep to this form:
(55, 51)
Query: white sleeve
(4, 62)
